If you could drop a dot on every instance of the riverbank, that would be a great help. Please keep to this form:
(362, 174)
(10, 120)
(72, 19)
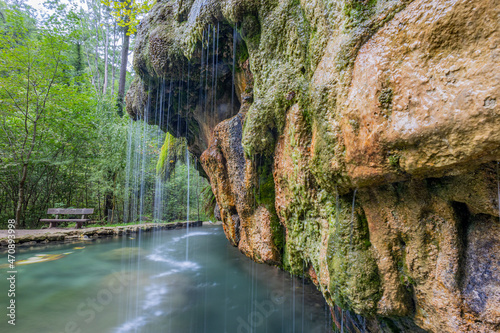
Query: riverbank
(34, 237)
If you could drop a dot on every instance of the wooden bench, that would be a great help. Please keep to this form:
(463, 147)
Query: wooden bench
(64, 211)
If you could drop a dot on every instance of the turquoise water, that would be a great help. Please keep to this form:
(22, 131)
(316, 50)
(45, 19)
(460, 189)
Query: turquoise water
(165, 281)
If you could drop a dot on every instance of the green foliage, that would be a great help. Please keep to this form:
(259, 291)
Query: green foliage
(176, 189)
(128, 12)
(54, 129)
(394, 160)
(62, 143)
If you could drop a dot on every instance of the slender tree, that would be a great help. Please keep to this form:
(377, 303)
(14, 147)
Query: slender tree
(106, 58)
(123, 72)
(127, 13)
(113, 62)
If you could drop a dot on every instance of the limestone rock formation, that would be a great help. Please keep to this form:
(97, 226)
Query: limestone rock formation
(358, 145)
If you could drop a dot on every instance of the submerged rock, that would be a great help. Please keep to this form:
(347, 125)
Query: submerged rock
(123, 253)
(359, 147)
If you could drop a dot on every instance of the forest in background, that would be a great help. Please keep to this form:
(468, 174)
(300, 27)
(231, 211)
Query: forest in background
(63, 134)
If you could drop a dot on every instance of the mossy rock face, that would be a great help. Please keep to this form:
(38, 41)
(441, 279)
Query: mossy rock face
(354, 279)
(358, 147)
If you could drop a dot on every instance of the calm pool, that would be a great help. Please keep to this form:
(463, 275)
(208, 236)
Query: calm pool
(166, 281)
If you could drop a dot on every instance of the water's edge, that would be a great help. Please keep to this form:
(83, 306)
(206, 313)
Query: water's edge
(62, 236)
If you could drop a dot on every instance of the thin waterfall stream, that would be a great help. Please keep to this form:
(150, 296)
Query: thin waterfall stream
(187, 161)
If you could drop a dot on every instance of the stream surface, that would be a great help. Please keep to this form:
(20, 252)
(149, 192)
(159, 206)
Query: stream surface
(174, 281)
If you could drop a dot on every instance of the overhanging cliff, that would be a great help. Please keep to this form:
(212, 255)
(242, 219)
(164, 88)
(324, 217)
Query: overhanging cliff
(358, 146)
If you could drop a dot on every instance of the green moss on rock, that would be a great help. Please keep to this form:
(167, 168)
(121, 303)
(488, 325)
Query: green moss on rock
(354, 279)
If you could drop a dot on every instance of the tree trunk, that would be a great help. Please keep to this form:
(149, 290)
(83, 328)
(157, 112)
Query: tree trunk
(106, 46)
(79, 61)
(114, 62)
(96, 51)
(114, 198)
(99, 200)
(123, 72)
(108, 204)
(20, 196)
(113, 209)
(86, 189)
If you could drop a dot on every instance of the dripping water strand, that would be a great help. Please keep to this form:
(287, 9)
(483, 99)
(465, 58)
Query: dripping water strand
(179, 87)
(157, 211)
(135, 171)
(206, 71)
(125, 307)
(170, 92)
(157, 179)
(168, 106)
(141, 208)
(135, 144)
(143, 151)
(213, 74)
(197, 166)
(162, 175)
(161, 140)
(216, 73)
(158, 194)
(179, 103)
(126, 208)
(201, 72)
(187, 161)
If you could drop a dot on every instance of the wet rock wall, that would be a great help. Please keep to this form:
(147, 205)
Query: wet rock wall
(357, 147)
